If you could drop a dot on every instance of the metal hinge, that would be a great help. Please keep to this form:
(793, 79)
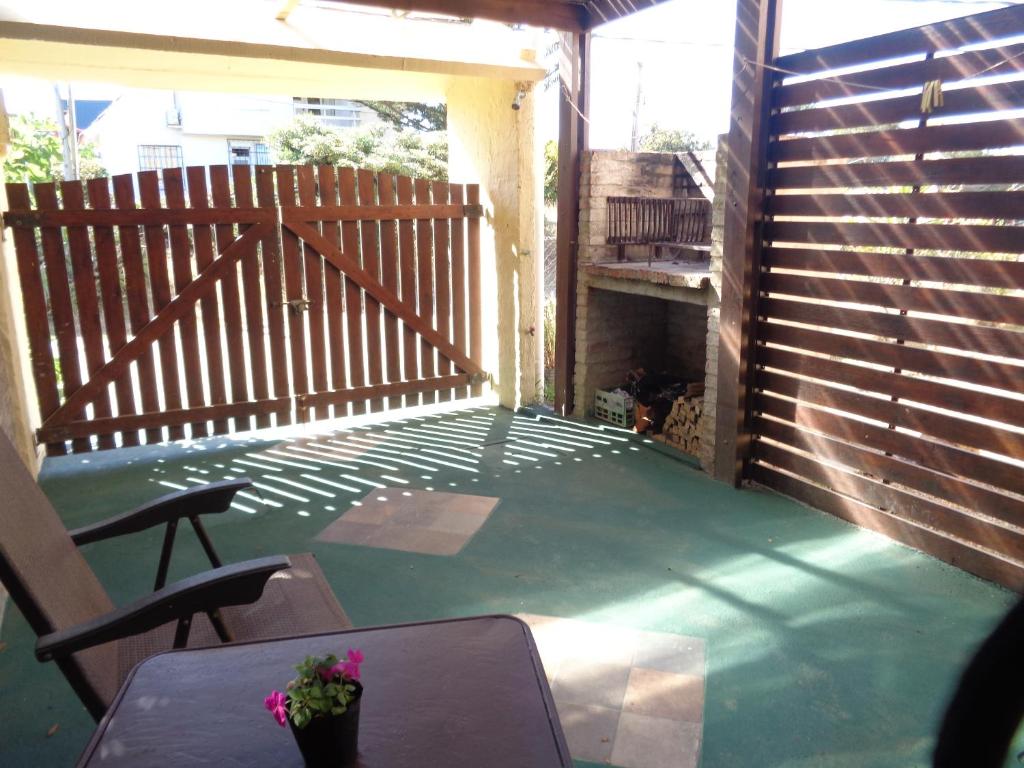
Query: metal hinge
(473, 211)
(298, 306)
(18, 219)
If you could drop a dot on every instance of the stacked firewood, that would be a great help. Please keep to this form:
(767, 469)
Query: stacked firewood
(682, 427)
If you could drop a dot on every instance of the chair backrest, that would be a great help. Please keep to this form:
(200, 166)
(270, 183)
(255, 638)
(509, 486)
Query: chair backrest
(46, 575)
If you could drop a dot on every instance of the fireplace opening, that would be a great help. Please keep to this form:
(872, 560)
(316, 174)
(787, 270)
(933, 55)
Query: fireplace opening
(650, 351)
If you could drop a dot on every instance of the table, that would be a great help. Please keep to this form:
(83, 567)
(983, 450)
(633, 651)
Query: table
(460, 692)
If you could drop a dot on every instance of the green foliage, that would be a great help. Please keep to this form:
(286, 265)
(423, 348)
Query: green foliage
(306, 140)
(309, 695)
(671, 140)
(549, 333)
(411, 115)
(551, 172)
(36, 155)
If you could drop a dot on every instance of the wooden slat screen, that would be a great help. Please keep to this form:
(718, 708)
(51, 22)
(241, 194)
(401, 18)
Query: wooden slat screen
(183, 304)
(889, 387)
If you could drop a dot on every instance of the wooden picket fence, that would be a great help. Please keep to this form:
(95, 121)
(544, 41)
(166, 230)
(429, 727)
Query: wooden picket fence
(212, 300)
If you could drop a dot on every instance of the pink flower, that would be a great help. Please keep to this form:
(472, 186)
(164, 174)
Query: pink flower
(355, 655)
(327, 673)
(276, 704)
(350, 670)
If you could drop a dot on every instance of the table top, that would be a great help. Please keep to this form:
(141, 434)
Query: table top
(460, 692)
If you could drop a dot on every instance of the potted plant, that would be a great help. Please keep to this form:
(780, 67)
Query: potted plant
(321, 706)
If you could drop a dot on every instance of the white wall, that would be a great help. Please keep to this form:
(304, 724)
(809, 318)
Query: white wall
(208, 120)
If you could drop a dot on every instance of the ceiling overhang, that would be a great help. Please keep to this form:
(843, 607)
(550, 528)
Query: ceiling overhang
(567, 15)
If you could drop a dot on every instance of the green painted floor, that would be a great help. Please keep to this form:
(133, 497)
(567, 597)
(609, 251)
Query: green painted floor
(826, 645)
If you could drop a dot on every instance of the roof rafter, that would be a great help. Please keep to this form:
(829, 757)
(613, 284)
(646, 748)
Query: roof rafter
(567, 15)
(571, 16)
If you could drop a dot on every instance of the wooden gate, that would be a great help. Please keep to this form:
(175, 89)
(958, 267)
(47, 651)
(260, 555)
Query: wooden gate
(889, 380)
(236, 298)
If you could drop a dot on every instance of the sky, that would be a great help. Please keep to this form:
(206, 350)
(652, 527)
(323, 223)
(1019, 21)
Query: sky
(684, 50)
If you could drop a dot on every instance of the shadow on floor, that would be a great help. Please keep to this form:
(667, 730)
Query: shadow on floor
(826, 645)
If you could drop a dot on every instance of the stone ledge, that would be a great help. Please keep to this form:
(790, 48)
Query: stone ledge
(696, 276)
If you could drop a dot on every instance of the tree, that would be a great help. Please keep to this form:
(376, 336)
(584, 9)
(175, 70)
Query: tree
(305, 140)
(36, 155)
(551, 172)
(672, 140)
(411, 115)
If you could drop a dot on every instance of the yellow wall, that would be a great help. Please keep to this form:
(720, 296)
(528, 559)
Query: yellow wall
(17, 411)
(496, 144)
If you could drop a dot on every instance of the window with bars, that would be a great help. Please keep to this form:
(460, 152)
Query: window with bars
(247, 152)
(337, 113)
(153, 157)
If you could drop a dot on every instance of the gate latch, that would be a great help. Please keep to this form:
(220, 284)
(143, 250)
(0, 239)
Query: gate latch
(298, 306)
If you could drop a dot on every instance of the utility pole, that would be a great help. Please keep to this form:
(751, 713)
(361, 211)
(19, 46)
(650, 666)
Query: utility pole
(68, 137)
(76, 165)
(635, 144)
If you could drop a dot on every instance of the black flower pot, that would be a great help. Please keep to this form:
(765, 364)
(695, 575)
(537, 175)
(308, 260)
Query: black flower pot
(331, 742)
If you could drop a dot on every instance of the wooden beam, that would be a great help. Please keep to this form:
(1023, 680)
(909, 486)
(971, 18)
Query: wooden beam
(574, 102)
(565, 15)
(286, 9)
(758, 24)
(602, 11)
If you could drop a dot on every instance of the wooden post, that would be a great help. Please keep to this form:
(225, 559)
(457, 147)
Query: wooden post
(758, 24)
(574, 102)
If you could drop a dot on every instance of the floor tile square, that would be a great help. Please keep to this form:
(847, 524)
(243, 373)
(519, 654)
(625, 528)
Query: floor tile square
(581, 681)
(664, 694)
(681, 654)
(374, 514)
(589, 731)
(343, 531)
(413, 539)
(655, 742)
(427, 522)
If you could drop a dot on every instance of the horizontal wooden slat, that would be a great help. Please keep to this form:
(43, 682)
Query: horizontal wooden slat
(960, 336)
(932, 205)
(290, 214)
(938, 237)
(139, 217)
(944, 35)
(961, 431)
(942, 458)
(961, 399)
(905, 504)
(158, 419)
(989, 134)
(901, 173)
(988, 273)
(990, 307)
(156, 217)
(320, 399)
(1008, 572)
(1001, 60)
(920, 478)
(959, 368)
(963, 101)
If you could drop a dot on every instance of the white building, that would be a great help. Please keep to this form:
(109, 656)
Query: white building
(145, 130)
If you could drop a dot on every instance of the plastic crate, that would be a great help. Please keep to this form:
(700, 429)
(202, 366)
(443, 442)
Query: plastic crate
(614, 408)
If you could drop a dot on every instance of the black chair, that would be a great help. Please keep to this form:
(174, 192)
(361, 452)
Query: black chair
(95, 644)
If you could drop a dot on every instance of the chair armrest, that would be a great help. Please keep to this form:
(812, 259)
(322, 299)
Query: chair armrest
(238, 584)
(201, 500)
